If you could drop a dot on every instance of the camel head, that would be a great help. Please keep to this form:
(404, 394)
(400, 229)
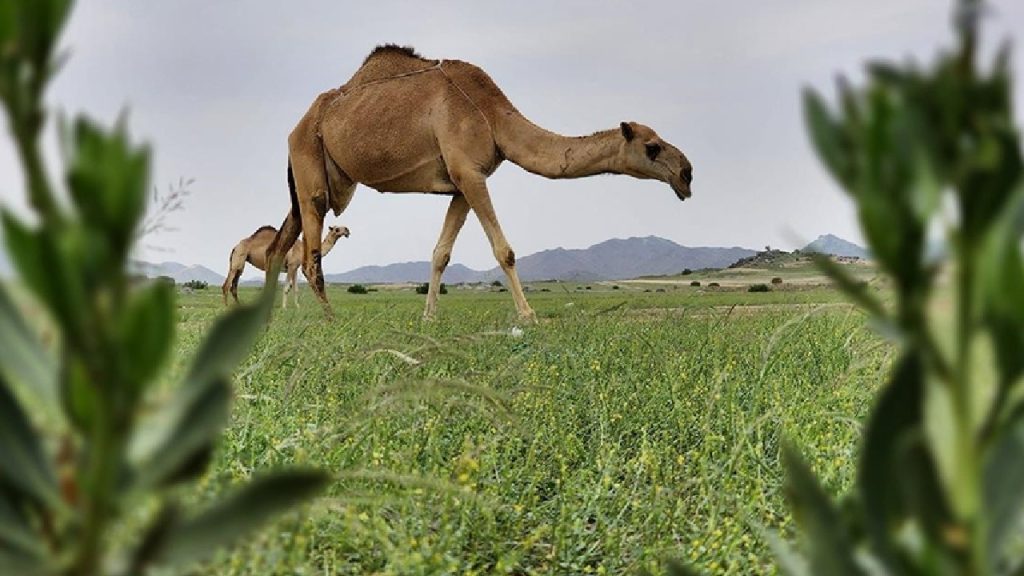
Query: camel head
(338, 232)
(645, 155)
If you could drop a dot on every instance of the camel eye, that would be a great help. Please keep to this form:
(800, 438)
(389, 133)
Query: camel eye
(653, 150)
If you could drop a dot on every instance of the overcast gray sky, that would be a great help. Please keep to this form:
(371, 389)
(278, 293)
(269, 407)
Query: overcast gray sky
(217, 86)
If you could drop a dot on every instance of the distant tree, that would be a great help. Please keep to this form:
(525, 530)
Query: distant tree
(695, 283)
(357, 289)
(759, 288)
(497, 284)
(687, 272)
(196, 285)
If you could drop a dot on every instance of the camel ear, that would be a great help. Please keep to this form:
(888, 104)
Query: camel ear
(627, 131)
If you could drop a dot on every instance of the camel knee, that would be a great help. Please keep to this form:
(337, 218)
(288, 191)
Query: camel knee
(505, 256)
(442, 256)
(314, 272)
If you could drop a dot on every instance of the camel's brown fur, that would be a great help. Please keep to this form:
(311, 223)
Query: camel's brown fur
(403, 123)
(253, 250)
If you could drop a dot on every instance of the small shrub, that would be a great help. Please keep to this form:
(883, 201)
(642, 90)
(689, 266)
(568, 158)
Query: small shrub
(695, 284)
(615, 287)
(713, 285)
(357, 289)
(759, 288)
(687, 272)
(196, 285)
(587, 288)
(776, 280)
(497, 284)
(425, 287)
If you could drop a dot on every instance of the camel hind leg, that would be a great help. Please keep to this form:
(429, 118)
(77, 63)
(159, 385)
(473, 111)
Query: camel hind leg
(311, 197)
(289, 287)
(236, 263)
(286, 235)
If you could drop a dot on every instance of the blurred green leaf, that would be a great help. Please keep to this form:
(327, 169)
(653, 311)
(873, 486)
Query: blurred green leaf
(16, 536)
(184, 431)
(23, 362)
(108, 179)
(830, 550)
(896, 415)
(827, 137)
(229, 342)
(680, 568)
(790, 562)
(43, 268)
(1004, 498)
(926, 189)
(923, 497)
(1000, 280)
(27, 248)
(154, 540)
(940, 432)
(12, 563)
(22, 463)
(238, 514)
(78, 394)
(146, 332)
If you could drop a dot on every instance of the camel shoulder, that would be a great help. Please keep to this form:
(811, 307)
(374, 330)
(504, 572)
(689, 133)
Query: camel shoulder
(476, 82)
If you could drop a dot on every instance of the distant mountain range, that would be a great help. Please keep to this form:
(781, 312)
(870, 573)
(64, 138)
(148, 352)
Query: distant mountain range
(836, 246)
(180, 272)
(610, 260)
(615, 259)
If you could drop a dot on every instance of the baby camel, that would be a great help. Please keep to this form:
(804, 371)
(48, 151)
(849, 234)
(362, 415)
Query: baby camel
(254, 249)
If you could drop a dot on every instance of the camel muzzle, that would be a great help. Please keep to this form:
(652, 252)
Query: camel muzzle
(682, 191)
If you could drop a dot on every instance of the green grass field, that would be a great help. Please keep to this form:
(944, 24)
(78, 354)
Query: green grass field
(626, 427)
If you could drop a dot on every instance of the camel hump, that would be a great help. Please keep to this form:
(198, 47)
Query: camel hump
(394, 50)
(263, 229)
(387, 61)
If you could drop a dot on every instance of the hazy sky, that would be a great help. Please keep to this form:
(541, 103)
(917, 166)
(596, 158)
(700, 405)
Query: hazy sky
(217, 86)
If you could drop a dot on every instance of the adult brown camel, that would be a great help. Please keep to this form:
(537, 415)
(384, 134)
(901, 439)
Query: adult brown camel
(254, 251)
(403, 123)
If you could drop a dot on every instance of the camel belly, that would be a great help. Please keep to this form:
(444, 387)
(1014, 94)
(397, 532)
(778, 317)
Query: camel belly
(431, 176)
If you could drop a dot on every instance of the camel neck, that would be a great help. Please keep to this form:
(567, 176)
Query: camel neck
(328, 244)
(555, 156)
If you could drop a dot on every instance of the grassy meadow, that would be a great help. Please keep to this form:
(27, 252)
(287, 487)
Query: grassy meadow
(625, 427)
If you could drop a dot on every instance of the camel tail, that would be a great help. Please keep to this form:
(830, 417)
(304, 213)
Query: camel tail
(291, 190)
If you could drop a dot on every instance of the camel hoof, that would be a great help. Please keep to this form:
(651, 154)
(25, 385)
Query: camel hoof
(428, 317)
(528, 318)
